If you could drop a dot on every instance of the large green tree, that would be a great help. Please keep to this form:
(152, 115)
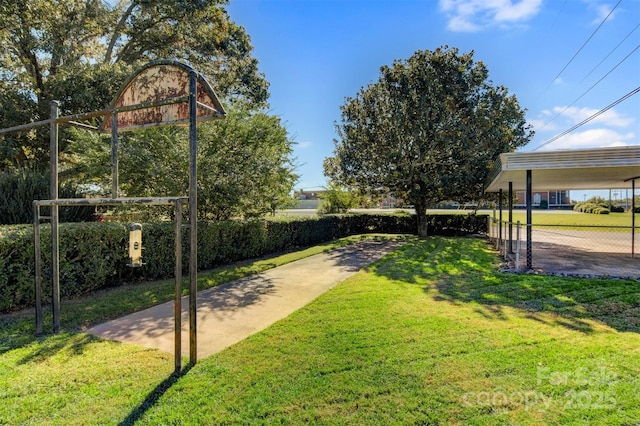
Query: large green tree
(245, 167)
(428, 130)
(80, 51)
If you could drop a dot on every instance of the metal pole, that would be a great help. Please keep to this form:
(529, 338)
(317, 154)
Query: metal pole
(500, 214)
(114, 154)
(529, 215)
(38, 267)
(510, 204)
(55, 237)
(518, 245)
(177, 305)
(633, 218)
(493, 222)
(193, 219)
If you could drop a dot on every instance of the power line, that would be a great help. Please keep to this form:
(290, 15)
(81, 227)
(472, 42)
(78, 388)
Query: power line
(583, 122)
(585, 43)
(589, 89)
(609, 54)
(581, 47)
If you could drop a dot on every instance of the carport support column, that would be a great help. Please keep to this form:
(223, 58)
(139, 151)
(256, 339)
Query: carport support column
(500, 217)
(633, 218)
(529, 211)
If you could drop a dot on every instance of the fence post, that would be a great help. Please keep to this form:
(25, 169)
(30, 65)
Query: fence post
(633, 218)
(518, 245)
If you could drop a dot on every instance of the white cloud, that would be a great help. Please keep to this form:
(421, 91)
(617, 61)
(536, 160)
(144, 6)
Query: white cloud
(305, 144)
(602, 131)
(518, 11)
(603, 10)
(540, 124)
(462, 25)
(609, 118)
(593, 138)
(473, 15)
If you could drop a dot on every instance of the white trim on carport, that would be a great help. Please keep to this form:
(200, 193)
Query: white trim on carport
(584, 169)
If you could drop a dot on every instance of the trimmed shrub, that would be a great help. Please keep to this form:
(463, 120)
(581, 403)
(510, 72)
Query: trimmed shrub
(19, 188)
(589, 207)
(95, 255)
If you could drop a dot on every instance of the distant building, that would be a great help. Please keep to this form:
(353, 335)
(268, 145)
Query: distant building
(309, 199)
(553, 199)
(388, 201)
(309, 195)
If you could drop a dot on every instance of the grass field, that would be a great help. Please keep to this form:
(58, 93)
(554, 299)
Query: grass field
(430, 334)
(539, 217)
(570, 218)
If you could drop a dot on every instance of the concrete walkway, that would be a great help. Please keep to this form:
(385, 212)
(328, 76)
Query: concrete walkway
(233, 311)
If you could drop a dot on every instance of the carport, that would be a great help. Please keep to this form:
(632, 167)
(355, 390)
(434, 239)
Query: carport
(585, 169)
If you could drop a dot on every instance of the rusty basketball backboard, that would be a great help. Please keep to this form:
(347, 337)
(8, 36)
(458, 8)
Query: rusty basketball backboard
(160, 94)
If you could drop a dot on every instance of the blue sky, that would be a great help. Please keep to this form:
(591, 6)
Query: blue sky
(314, 53)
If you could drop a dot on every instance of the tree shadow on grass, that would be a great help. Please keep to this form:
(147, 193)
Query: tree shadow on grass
(357, 256)
(17, 330)
(154, 396)
(465, 271)
(70, 345)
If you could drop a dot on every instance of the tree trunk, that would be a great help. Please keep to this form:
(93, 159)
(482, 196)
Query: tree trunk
(421, 213)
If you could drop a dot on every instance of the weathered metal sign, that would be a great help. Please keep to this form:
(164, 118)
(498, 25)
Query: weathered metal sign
(158, 94)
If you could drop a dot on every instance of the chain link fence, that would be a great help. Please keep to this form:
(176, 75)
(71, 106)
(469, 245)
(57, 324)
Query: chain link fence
(610, 251)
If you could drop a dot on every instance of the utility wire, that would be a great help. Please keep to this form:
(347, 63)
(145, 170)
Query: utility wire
(581, 47)
(589, 89)
(589, 39)
(585, 121)
(609, 54)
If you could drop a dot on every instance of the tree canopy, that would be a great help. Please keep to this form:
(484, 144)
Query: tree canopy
(427, 131)
(245, 168)
(80, 51)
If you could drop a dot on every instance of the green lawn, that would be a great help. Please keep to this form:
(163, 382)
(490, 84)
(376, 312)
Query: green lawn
(568, 219)
(431, 334)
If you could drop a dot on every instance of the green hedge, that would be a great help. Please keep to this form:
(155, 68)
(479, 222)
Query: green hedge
(588, 207)
(94, 255)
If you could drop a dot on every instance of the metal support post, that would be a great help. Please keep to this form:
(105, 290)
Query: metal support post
(633, 218)
(177, 304)
(529, 219)
(55, 236)
(193, 219)
(114, 154)
(500, 213)
(518, 245)
(38, 268)
(510, 204)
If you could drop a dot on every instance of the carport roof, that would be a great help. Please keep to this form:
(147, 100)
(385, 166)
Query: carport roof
(600, 168)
